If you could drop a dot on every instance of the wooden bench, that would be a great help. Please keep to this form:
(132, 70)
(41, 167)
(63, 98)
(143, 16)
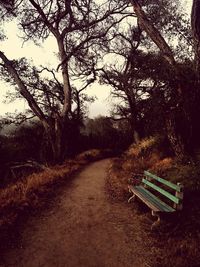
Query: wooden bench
(173, 192)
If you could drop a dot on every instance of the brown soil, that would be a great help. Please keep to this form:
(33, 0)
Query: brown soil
(83, 228)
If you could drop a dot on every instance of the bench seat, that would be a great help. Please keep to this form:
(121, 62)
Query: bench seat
(153, 202)
(159, 186)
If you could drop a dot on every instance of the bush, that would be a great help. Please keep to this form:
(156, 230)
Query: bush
(150, 154)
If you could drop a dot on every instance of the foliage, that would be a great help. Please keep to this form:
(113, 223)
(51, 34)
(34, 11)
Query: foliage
(104, 132)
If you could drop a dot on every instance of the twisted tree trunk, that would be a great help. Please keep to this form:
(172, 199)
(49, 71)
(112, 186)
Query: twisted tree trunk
(195, 22)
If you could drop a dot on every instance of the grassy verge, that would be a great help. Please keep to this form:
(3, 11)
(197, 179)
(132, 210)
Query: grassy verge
(28, 193)
(177, 241)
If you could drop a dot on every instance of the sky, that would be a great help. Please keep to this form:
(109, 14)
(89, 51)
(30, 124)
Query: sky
(42, 55)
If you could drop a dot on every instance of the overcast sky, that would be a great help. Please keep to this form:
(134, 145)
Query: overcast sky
(43, 56)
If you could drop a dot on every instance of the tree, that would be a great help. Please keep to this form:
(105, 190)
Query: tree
(76, 26)
(137, 75)
(124, 78)
(180, 85)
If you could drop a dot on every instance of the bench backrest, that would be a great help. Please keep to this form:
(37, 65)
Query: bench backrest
(178, 188)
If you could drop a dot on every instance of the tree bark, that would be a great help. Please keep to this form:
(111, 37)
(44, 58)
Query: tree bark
(134, 124)
(56, 138)
(65, 76)
(133, 117)
(174, 138)
(153, 33)
(195, 22)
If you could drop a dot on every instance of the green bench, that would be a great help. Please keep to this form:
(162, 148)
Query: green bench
(152, 184)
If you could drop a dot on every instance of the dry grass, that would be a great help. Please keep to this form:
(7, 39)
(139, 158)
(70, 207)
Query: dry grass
(28, 192)
(176, 250)
(136, 159)
(142, 147)
(25, 194)
(117, 181)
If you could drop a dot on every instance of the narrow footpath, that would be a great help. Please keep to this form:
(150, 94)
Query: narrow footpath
(83, 228)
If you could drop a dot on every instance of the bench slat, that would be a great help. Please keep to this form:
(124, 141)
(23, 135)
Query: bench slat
(163, 206)
(163, 181)
(151, 205)
(150, 200)
(161, 191)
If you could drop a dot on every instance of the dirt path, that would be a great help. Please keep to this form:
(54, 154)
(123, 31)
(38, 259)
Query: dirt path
(82, 229)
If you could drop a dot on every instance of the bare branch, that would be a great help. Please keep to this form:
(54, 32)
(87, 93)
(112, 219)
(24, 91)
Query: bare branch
(22, 88)
(45, 19)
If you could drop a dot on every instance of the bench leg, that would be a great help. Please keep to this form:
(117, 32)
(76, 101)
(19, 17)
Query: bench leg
(132, 197)
(157, 222)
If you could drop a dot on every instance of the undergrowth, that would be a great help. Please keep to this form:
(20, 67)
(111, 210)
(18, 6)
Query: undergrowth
(178, 239)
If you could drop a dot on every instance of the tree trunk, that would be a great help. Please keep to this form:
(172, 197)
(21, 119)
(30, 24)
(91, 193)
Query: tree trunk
(195, 22)
(65, 76)
(133, 117)
(153, 33)
(134, 127)
(174, 138)
(58, 154)
(136, 137)
(55, 140)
